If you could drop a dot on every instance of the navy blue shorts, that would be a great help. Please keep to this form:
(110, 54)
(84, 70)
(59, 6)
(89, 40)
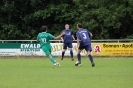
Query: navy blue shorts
(65, 45)
(87, 47)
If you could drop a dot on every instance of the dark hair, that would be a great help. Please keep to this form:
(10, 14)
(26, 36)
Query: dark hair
(79, 25)
(66, 24)
(43, 28)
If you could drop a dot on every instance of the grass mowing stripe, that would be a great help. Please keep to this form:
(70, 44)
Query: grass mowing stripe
(39, 73)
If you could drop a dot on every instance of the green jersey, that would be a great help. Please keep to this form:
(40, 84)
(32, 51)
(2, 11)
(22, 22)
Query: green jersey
(44, 38)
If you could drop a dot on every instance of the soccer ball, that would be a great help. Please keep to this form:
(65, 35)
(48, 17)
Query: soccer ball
(77, 63)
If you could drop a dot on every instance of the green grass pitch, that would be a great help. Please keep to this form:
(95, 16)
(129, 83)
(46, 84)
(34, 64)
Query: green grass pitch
(38, 72)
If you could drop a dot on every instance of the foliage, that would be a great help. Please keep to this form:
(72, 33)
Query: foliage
(106, 19)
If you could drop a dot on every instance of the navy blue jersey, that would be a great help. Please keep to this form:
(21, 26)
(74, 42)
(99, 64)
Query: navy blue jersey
(84, 36)
(68, 36)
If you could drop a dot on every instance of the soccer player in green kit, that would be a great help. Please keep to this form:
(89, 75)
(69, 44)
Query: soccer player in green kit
(44, 37)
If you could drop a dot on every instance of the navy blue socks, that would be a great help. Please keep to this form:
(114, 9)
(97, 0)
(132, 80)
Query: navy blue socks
(91, 58)
(63, 54)
(71, 53)
(79, 57)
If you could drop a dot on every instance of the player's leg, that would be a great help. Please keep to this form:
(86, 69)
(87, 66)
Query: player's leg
(47, 50)
(64, 50)
(91, 58)
(79, 56)
(88, 48)
(52, 57)
(71, 51)
(78, 63)
(53, 60)
(48, 53)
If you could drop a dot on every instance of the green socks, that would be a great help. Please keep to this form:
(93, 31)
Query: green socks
(52, 59)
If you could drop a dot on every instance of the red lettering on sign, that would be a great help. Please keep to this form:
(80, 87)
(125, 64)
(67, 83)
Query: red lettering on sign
(97, 49)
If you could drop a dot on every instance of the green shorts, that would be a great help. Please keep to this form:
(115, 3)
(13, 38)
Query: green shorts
(47, 49)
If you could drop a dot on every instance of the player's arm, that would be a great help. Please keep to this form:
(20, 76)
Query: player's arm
(78, 42)
(62, 39)
(37, 40)
(59, 36)
(90, 35)
(72, 35)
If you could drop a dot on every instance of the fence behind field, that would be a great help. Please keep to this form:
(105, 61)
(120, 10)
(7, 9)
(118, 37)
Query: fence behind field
(106, 47)
(59, 41)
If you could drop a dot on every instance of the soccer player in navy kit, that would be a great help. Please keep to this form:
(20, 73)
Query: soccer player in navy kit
(83, 42)
(67, 40)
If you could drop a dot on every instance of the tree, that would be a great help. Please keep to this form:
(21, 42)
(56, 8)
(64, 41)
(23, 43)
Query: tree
(106, 19)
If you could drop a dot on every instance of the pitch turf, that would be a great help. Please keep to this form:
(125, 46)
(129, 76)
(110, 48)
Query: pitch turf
(28, 72)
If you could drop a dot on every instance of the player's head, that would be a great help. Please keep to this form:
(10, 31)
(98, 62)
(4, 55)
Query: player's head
(44, 29)
(79, 26)
(66, 26)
